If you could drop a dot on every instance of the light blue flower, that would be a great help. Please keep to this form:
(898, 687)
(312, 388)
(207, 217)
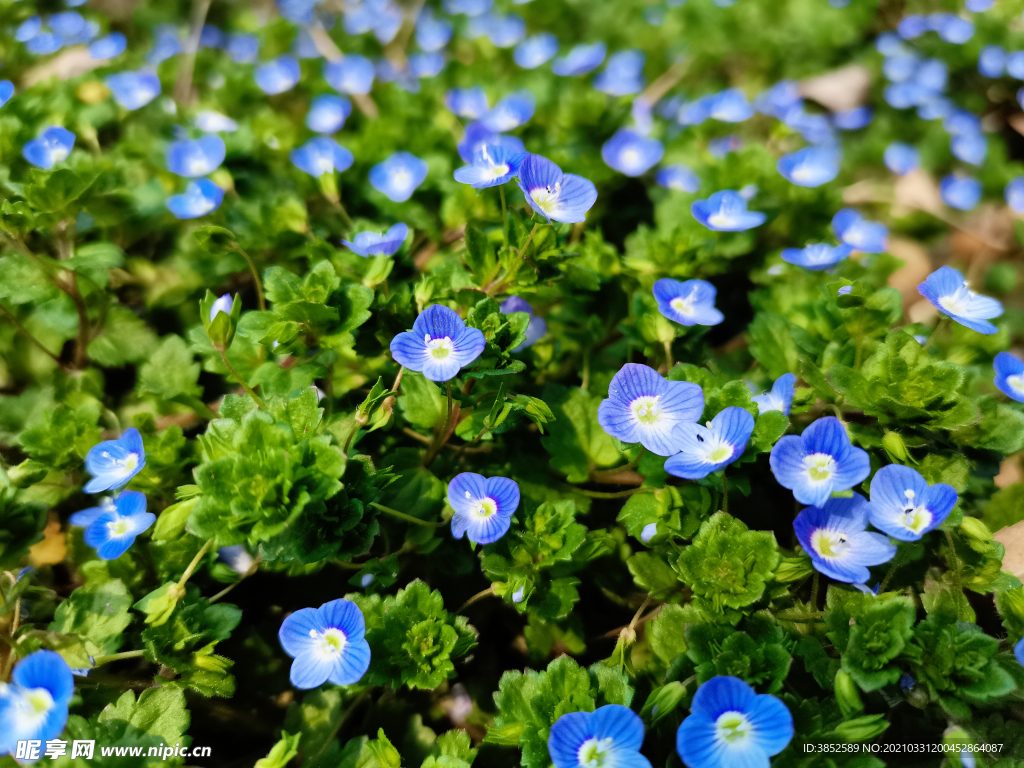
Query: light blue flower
(609, 736)
(470, 103)
(327, 113)
(904, 506)
(477, 136)
(201, 197)
(299, 11)
(1018, 652)
(511, 112)
(277, 75)
(6, 91)
(506, 29)
(243, 49)
(165, 46)
(961, 121)
(113, 463)
(630, 153)
(557, 196)
(133, 90)
(1015, 65)
(538, 325)
(535, 50)
(581, 60)
(730, 725)
(947, 290)
(386, 19)
(780, 398)
(977, 6)
(694, 112)
(439, 344)
(707, 449)
(398, 176)
(321, 155)
(853, 119)
(1010, 376)
(901, 158)
(28, 29)
(468, 7)
(726, 211)
(810, 166)
(327, 643)
(889, 44)
(818, 256)
(623, 74)
(425, 64)
(223, 304)
(818, 462)
(730, 106)
(779, 99)
(353, 74)
(69, 26)
(86, 517)
(687, 303)
(109, 47)
(432, 33)
(642, 407)
(374, 244)
(388, 71)
(192, 158)
(679, 177)
(912, 26)
(34, 706)
(960, 192)
(971, 147)
(992, 61)
(209, 121)
(114, 530)
(483, 506)
(237, 558)
(1014, 194)
(953, 29)
(853, 229)
(932, 75)
(833, 534)
(52, 146)
(211, 37)
(491, 167)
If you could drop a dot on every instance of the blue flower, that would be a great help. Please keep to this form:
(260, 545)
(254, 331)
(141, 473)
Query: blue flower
(679, 177)
(810, 166)
(814, 128)
(243, 49)
(780, 398)
(977, 6)
(432, 33)
(889, 44)
(352, 75)
(321, 155)
(726, 211)
(853, 119)
(277, 75)
(192, 158)
(720, 146)
(133, 90)
(86, 517)
(535, 50)
(114, 530)
(707, 449)
(113, 463)
(901, 158)
(211, 37)
(327, 643)
(209, 121)
(689, 303)
(511, 112)
(834, 536)
(962, 121)
(609, 736)
(904, 506)
(693, 112)
(818, 462)
(299, 11)
(818, 256)
(853, 229)
(6, 91)
(538, 325)
(28, 29)
(912, 26)
(237, 558)
(971, 147)
(1018, 652)
(224, 303)
(398, 176)
(1014, 194)
(779, 99)
(642, 407)
(492, 166)
(468, 7)
(555, 195)
(623, 74)
(947, 290)
(730, 106)
(109, 47)
(372, 244)
(70, 26)
(1010, 376)
(505, 30)
(201, 197)
(165, 45)
(477, 136)
(425, 64)
(439, 344)
(730, 725)
(992, 61)
(52, 146)
(580, 60)
(483, 506)
(34, 706)
(961, 192)
(953, 28)
(630, 153)
(327, 114)
(470, 103)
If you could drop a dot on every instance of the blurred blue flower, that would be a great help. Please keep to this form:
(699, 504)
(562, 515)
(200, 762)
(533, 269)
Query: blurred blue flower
(730, 725)
(726, 211)
(298, 11)
(952, 28)
(67, 25)
(492, 166)
(112, 463)
(52, 146)
(201, 197)
(536, 50)
(730, 106)
(328, 113)
(901, 158)
(904, 506)
(222, 306)
(818, 462)
(6, 91)
(889, 44)
(817, 129)
(810, 166)
(352, 75)
(511, 112)
(477, 136)
(834, 534)
(1014, 194)
(992, 61)
(901, 67)
(642, 113)
(609, 736)
(211, 37)
(818, 256)
(165, 45)
(630, 153)
(507, 29)
(468, 7)
(679, 177)
(321, 155)
(439, 344)
(86, 517)
(388, 71)
(109, 47)
(970, 147)
(34, 706)
(707, 449)
(277, 75)
(425, 64)
(853, 229)
(470, 103)
(911, 26)
(1015, 65)
(237, 558)
(44, 43)
(373, 244)
(721, 146)
(977, 6)
(328, 644)
(623, 74)
(853, 119)
(932, 75)
(642, 407)
(557, 196)
(960, 192)
(538, 325)
(192, 158)
(387, 19)
(243, 48)
(948, 292)
(134, 90)
(687, 303)
(1010, 376)
(483, 506)
(581, 60)
(961, 121)
(780, 398)
(779, 99)
(304, 46)
(398, 176)
(694, 112)
(935, 108)
(28, 29)
(114, 530)
(432, 33)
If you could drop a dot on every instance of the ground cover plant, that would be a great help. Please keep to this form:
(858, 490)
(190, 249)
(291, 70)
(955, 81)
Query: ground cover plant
(398, 383)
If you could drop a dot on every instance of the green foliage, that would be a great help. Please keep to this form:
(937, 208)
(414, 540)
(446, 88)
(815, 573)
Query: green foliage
(870, 633)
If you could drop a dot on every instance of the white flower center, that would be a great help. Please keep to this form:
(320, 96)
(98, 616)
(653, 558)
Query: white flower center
(440, 348)
(957, 303)
(401, 179)
(829, 543)
(631, 157)
(684, 306)
(732, 729)
(332, 641)
(31, 709)
(1016, 383)
(647, 409)
(718, 453)
(484, 509)
(120, 527)
(547, 197)
(497, 171)
(819, 467)
(593, 753)
(130, 462)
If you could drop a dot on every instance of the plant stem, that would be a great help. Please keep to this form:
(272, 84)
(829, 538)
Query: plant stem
(343, 719)
(245, 386)
(28, 334)
(529, 239)
(888, 575)
(183, 84)
(407, 518)
(255, 276)
(225, 591)
(954, 566)
(814, 590)
(725, 493)
(477, 597)
(668, 355)
(504, 213)
(440, 438)
(195, 563)
(98, 660)
(612, 494)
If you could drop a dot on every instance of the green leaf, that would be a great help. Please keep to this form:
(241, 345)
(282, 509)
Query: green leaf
(126, 339)
(421, 402)
(97, 612)
(55, 191)
(576, 441)
(282, 752)
(480, 256)
(171, 371)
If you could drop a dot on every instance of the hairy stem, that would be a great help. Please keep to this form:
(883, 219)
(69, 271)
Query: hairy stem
(195, 563)
(255, 276)
(504, 213)
(489, 592)
(98, 660)
(440, 438)
(407, 518)
(249, 390)
(28, 334)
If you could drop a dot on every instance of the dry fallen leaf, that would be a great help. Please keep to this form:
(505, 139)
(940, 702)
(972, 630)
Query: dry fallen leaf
(1012, 537)
(918, 191)
(916, 267)
(839, 90)
(70, 63)
(51, 549)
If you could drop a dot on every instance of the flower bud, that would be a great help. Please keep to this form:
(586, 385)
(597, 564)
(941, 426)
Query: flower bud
(895, 447)
(848, 696)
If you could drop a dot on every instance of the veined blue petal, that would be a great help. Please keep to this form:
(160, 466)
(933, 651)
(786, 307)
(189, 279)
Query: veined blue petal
(1010, 375)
